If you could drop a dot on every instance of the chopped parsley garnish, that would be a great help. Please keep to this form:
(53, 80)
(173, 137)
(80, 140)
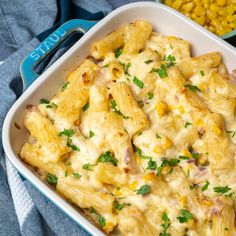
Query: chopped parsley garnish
(101, 221)
(192, 88)
(138, 152)
(231, 132)
(85, 107)
(51, 179)
(187, 124)
(194, 154)
(48, 104)
(120, 206)
(88, 166)
(183, 157)
(77, 175)
(150, 95)
(118, 112)
(73, 146)
(171, 46)
(44, 101)
(171, 61)
(118, 52)
(158, 136)
(64, 86)
(165, 162)
(184, 216)
(161, 71)
(205, 186)
(222, 190)
(148, 61)
(138, 82)
(202, 73)
(66, 173)
(144, 189)
(67, 132)
(166, 225)
(108, 157)
(126, 67)
(91, 134)
(152, 165)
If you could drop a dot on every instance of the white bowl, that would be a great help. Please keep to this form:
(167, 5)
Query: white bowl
(164, 19)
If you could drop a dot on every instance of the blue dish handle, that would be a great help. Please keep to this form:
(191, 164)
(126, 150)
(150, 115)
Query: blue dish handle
(28, 65)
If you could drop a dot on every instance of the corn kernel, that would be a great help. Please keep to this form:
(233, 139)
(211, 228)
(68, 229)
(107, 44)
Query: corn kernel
(183, 201)
(117, 192)
(186, 153)
(165, 170)
(201, 20)
(199, 123)
(166, 143)
(199, 11)
(216, 129)
(207, 203)
(158, 149)
(181, 109)
(108, 227)
(221, 3)
(149, 176)
(133, 185)
(188, 7)
(161, 108)
(138, 160)
(172, 38)
(177, 4)
(168, 2)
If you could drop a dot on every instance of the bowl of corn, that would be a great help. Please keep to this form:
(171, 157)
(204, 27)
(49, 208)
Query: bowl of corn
(218, 16)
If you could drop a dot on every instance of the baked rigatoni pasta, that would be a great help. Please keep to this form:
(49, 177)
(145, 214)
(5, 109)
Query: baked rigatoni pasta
(141, 137)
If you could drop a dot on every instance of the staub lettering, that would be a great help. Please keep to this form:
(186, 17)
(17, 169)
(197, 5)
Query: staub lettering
(49, 43)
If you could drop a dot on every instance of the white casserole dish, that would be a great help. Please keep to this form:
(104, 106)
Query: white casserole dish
(164, 19)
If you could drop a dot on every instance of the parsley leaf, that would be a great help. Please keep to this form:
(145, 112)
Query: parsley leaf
(107, 157)
(194, 154)
(73, 146)
(221, 190)
(166, 225)
(138, 152)
(161, 71)
(85, 107)
(91, 134)
(44, 101)
(144, 189)
(185, 216)
(158, 136)
(101, 221)
(126, 67)
(183, 157)
(77, 175)
(120, 206)
(138, 82)
(187, 124)
(205, 186)
(152, 165)
(150, 95)
(148, 61)
(51, 179)
(231, 132)
(192, 88)
(165, 162)
(202, 73)
(118, 112)
(88, 166)
(67, 132)
(171, 61)
(64, 86)
(118, 52)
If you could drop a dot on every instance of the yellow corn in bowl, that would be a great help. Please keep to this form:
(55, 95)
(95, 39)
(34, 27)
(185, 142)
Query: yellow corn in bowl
(218, 16)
